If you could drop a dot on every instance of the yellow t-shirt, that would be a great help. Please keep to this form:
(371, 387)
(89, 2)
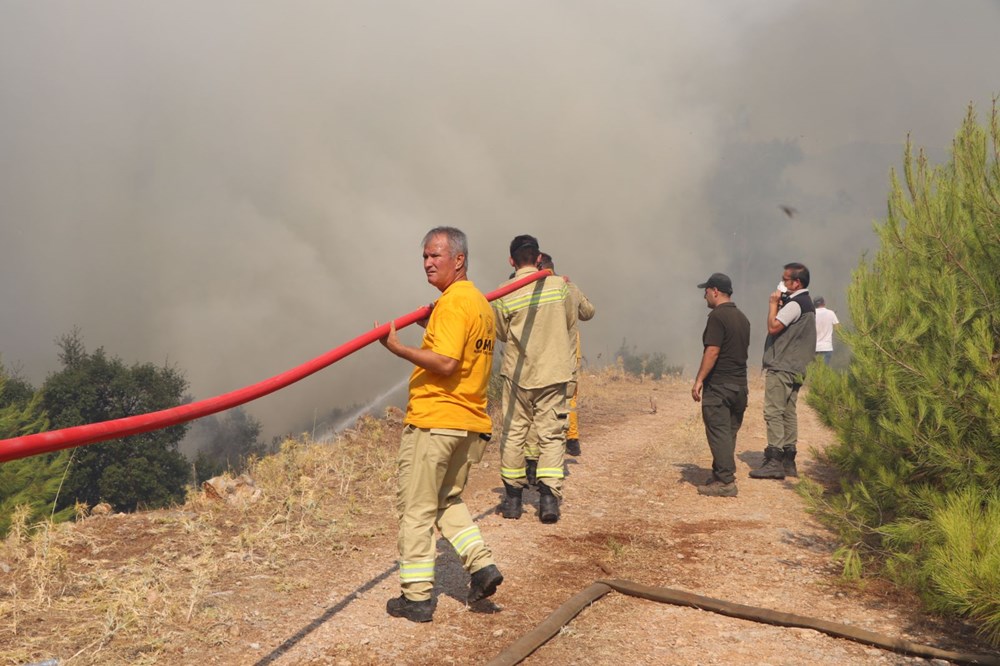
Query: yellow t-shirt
(460, 327)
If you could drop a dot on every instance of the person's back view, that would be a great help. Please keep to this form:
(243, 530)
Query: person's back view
(538, 364)
(585, 311)
(826, 321)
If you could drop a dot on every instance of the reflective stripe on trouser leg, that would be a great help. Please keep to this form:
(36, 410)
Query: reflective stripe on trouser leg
(517, 421)
(433, 468)
(416, 575)
(550, 412)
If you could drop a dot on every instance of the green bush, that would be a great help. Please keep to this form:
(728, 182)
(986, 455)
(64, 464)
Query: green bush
(917, 413)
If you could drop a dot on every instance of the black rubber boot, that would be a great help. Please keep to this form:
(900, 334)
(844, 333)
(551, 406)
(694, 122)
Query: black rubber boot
(484, 583)
(773, 467)
(531, 469)
(788, 463)
(414, 611)
(548, 505)
(510, 507)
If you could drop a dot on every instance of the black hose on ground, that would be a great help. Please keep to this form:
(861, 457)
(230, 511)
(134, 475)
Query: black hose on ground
(533, 640)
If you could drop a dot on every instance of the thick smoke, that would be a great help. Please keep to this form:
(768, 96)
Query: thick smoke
(237, 188)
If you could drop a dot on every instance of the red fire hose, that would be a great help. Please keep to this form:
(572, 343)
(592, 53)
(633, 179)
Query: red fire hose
(55, 440)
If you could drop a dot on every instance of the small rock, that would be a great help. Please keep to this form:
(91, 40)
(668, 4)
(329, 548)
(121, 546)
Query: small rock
(498, 633)
(255, 646)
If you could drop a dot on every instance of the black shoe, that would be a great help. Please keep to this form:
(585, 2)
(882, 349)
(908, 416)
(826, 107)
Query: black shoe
(510, 507)
(716, 488)
(531, 470)
(484, 583)
(414, 611)
(773, 467)
(572, 447)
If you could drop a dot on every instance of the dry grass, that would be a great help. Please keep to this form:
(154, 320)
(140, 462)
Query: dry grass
(121, 589)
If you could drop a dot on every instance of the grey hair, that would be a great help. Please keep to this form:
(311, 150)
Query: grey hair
(457, 242)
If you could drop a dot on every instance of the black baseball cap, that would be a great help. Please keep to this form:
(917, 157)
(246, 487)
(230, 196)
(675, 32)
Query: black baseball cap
(718, 281)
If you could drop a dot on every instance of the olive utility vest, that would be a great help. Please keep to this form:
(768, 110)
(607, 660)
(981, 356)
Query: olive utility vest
(794, 348)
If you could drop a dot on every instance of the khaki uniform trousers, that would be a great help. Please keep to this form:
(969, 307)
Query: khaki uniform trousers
(572, 431)
(545, 411)
(433, 469)
(781, 391)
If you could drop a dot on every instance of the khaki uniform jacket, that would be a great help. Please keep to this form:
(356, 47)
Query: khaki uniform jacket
(535, 322)
(585, 310)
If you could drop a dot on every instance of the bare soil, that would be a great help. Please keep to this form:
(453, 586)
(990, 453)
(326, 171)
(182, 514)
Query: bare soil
(631, 511)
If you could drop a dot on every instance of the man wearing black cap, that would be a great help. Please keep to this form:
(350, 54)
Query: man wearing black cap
(721, 383)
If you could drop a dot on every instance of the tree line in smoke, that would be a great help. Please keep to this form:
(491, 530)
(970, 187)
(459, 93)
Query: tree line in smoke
(141, 471)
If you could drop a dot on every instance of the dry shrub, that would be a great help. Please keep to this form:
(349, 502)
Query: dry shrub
(87, 601)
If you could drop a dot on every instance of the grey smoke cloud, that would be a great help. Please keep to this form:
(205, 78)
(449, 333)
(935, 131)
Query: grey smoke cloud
(237, 188)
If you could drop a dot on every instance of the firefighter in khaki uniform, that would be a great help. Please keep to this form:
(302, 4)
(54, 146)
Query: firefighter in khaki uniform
(538, 367)
(585, 311)
(446, 430)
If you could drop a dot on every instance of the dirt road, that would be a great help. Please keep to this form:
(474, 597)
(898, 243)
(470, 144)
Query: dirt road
(631, 511)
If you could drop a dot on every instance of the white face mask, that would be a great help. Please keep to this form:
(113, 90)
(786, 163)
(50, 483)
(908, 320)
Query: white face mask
(782, 288)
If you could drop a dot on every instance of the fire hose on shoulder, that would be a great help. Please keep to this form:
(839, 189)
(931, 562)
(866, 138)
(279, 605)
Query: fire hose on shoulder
(66, 438)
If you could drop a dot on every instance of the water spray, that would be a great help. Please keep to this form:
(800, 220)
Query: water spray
(348, 421)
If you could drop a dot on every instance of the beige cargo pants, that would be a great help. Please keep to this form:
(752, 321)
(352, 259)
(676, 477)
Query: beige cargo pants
(433, 469)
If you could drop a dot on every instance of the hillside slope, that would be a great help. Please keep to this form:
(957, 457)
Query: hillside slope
(301, 575)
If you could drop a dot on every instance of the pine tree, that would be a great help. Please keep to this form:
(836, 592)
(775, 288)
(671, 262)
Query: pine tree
(30, 481)
(918, 411)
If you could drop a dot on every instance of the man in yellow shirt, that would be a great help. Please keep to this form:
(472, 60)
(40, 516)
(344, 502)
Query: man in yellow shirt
(446, 430)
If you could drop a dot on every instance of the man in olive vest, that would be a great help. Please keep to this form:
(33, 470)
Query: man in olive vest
(788, 350)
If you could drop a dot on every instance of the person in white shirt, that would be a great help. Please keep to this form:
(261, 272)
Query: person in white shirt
(826, 319)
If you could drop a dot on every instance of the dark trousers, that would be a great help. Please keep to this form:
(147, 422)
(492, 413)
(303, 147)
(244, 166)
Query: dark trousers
(722, 408)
